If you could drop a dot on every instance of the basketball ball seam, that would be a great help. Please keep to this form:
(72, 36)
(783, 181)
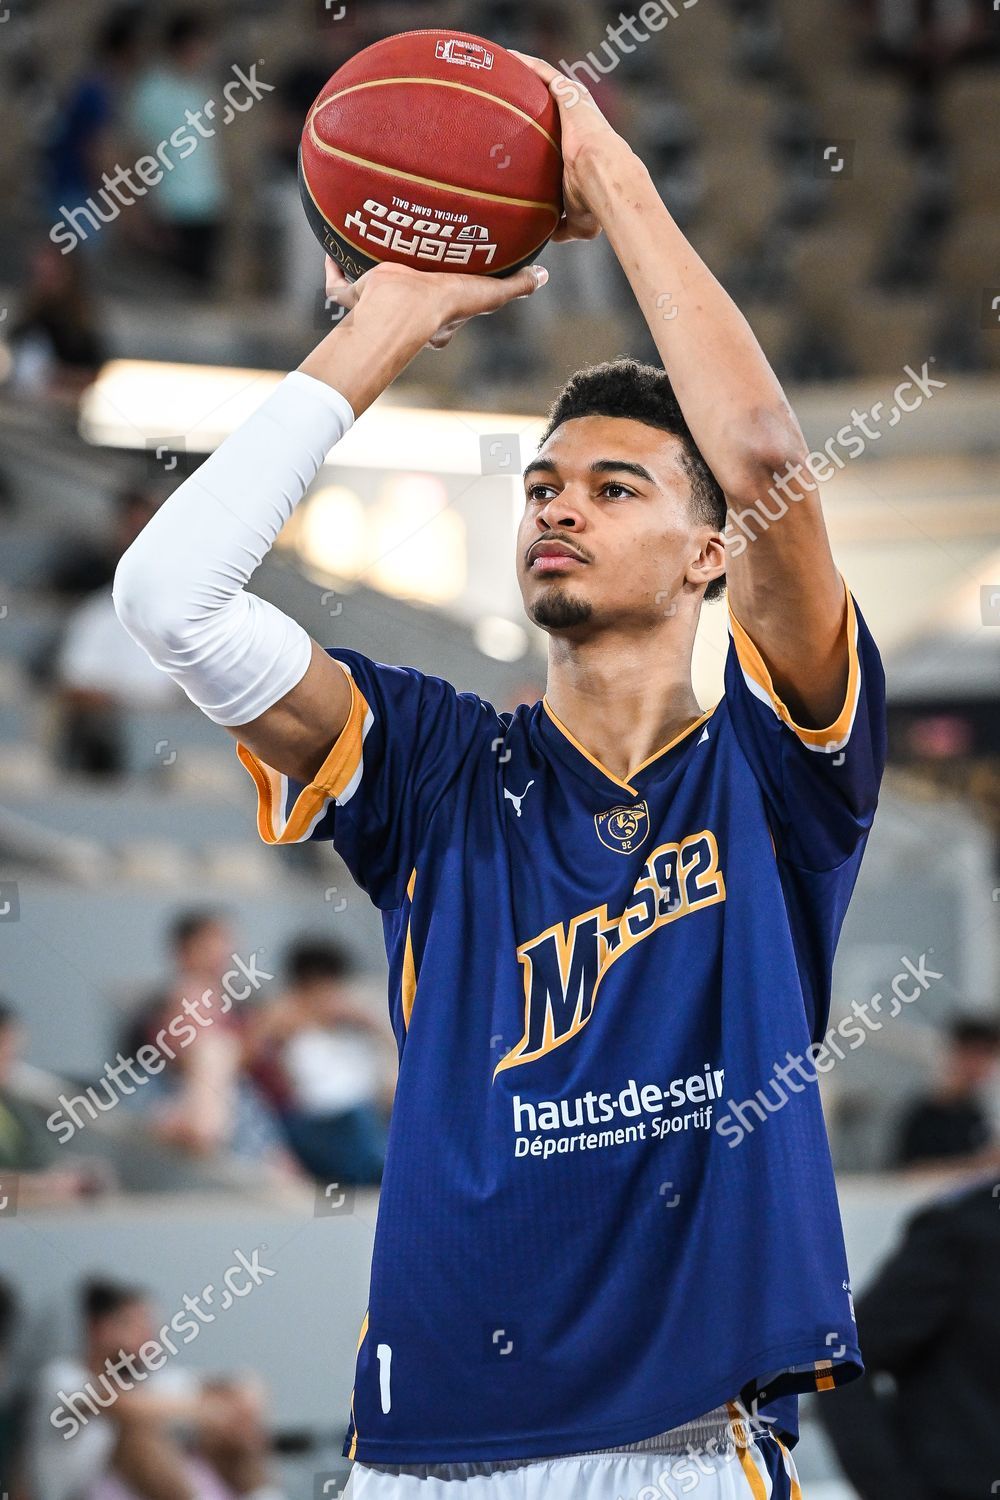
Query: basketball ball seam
(444, 83)
(432, 182)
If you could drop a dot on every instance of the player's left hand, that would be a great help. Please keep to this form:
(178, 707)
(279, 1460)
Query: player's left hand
(585, 132)
(455, 297)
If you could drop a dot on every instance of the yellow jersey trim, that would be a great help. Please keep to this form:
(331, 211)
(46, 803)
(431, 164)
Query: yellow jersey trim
(758, 679)
(408, 986)
(333, 779)
(671, 743)
(795, 1489)
(752, 1474)
(354, 1425)
(625, 785)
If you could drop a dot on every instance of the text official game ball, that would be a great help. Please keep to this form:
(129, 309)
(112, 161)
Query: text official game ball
(432, 149)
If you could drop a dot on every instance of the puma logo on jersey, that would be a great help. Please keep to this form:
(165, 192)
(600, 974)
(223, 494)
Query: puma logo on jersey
(563, 966)
(517, 800)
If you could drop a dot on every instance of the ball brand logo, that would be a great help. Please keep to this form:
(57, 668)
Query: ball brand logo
(469, 54)
(623, 828)
(352, 268)
(425, 239)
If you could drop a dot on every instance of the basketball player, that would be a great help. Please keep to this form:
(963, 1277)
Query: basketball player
(609, 917)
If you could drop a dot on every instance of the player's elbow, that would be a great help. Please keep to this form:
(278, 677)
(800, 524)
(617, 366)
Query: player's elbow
(144, 601)
(767, 450)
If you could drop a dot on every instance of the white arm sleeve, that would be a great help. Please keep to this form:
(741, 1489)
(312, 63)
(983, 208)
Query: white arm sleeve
(179, 590)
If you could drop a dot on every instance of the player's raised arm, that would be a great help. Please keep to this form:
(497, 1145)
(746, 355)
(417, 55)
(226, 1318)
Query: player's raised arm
(180, 589)
(784, 586)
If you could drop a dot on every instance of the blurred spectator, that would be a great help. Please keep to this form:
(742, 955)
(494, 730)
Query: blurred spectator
(82, 564)
(55, 339)
(328, 1046)
(922, 1423)
(204, 1101)
(951, 1126)
(200, 945)
(37, 1173)
(301, 264)
(796, 128)
(11, 1400)
(670, 150)
(83, 143)
(924, 34)
(758, 51)
(814, 351)
(126, 1445)
(910, 259)
(924, 40)
(188, 204)
(101, 672)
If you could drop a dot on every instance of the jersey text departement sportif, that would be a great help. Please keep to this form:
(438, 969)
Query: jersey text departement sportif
(571, 1251)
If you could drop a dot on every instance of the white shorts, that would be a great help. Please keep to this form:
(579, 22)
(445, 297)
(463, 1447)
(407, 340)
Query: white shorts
(726, 1470)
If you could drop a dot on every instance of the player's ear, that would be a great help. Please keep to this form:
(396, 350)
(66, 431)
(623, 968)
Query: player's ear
(709, 562)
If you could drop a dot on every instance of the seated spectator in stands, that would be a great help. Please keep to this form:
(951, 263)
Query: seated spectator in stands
(113, 1443)
(204, 1101)
(55, 337)
(200, 943)
(11, 1401)
(189, 204)
(921, 1424)
(101, 673)
(758, 36)
(328, 1046)
(925, 40)
(34, 1172)
(951, 1126)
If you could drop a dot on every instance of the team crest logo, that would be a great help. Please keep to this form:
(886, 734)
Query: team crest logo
(623, 828)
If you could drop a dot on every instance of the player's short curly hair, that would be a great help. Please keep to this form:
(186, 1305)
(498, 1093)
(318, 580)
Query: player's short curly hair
(626, 388)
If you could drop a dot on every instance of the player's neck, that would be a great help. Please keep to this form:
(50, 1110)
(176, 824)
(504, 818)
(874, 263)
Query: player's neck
(620, 703)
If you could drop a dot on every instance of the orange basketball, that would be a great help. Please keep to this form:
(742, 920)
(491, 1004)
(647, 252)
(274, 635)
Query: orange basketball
(432, 149)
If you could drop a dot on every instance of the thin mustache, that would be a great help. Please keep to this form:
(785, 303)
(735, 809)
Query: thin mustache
(557, 537)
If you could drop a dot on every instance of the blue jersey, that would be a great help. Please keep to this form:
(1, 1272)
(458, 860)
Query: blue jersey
(585, 1237)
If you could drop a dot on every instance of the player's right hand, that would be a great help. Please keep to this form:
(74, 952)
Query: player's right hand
(449, 299)
(584, 133)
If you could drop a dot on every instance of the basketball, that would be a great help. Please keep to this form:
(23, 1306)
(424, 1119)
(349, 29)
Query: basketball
(432, 149)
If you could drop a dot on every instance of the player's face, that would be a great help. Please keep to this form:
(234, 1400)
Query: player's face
(608, 536)
(209, 950)
(126, 1329)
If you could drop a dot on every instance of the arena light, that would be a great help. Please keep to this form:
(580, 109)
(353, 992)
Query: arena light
(503, 640)
(332, 533)
(138, 403)
(134, 403)
(418, 542)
